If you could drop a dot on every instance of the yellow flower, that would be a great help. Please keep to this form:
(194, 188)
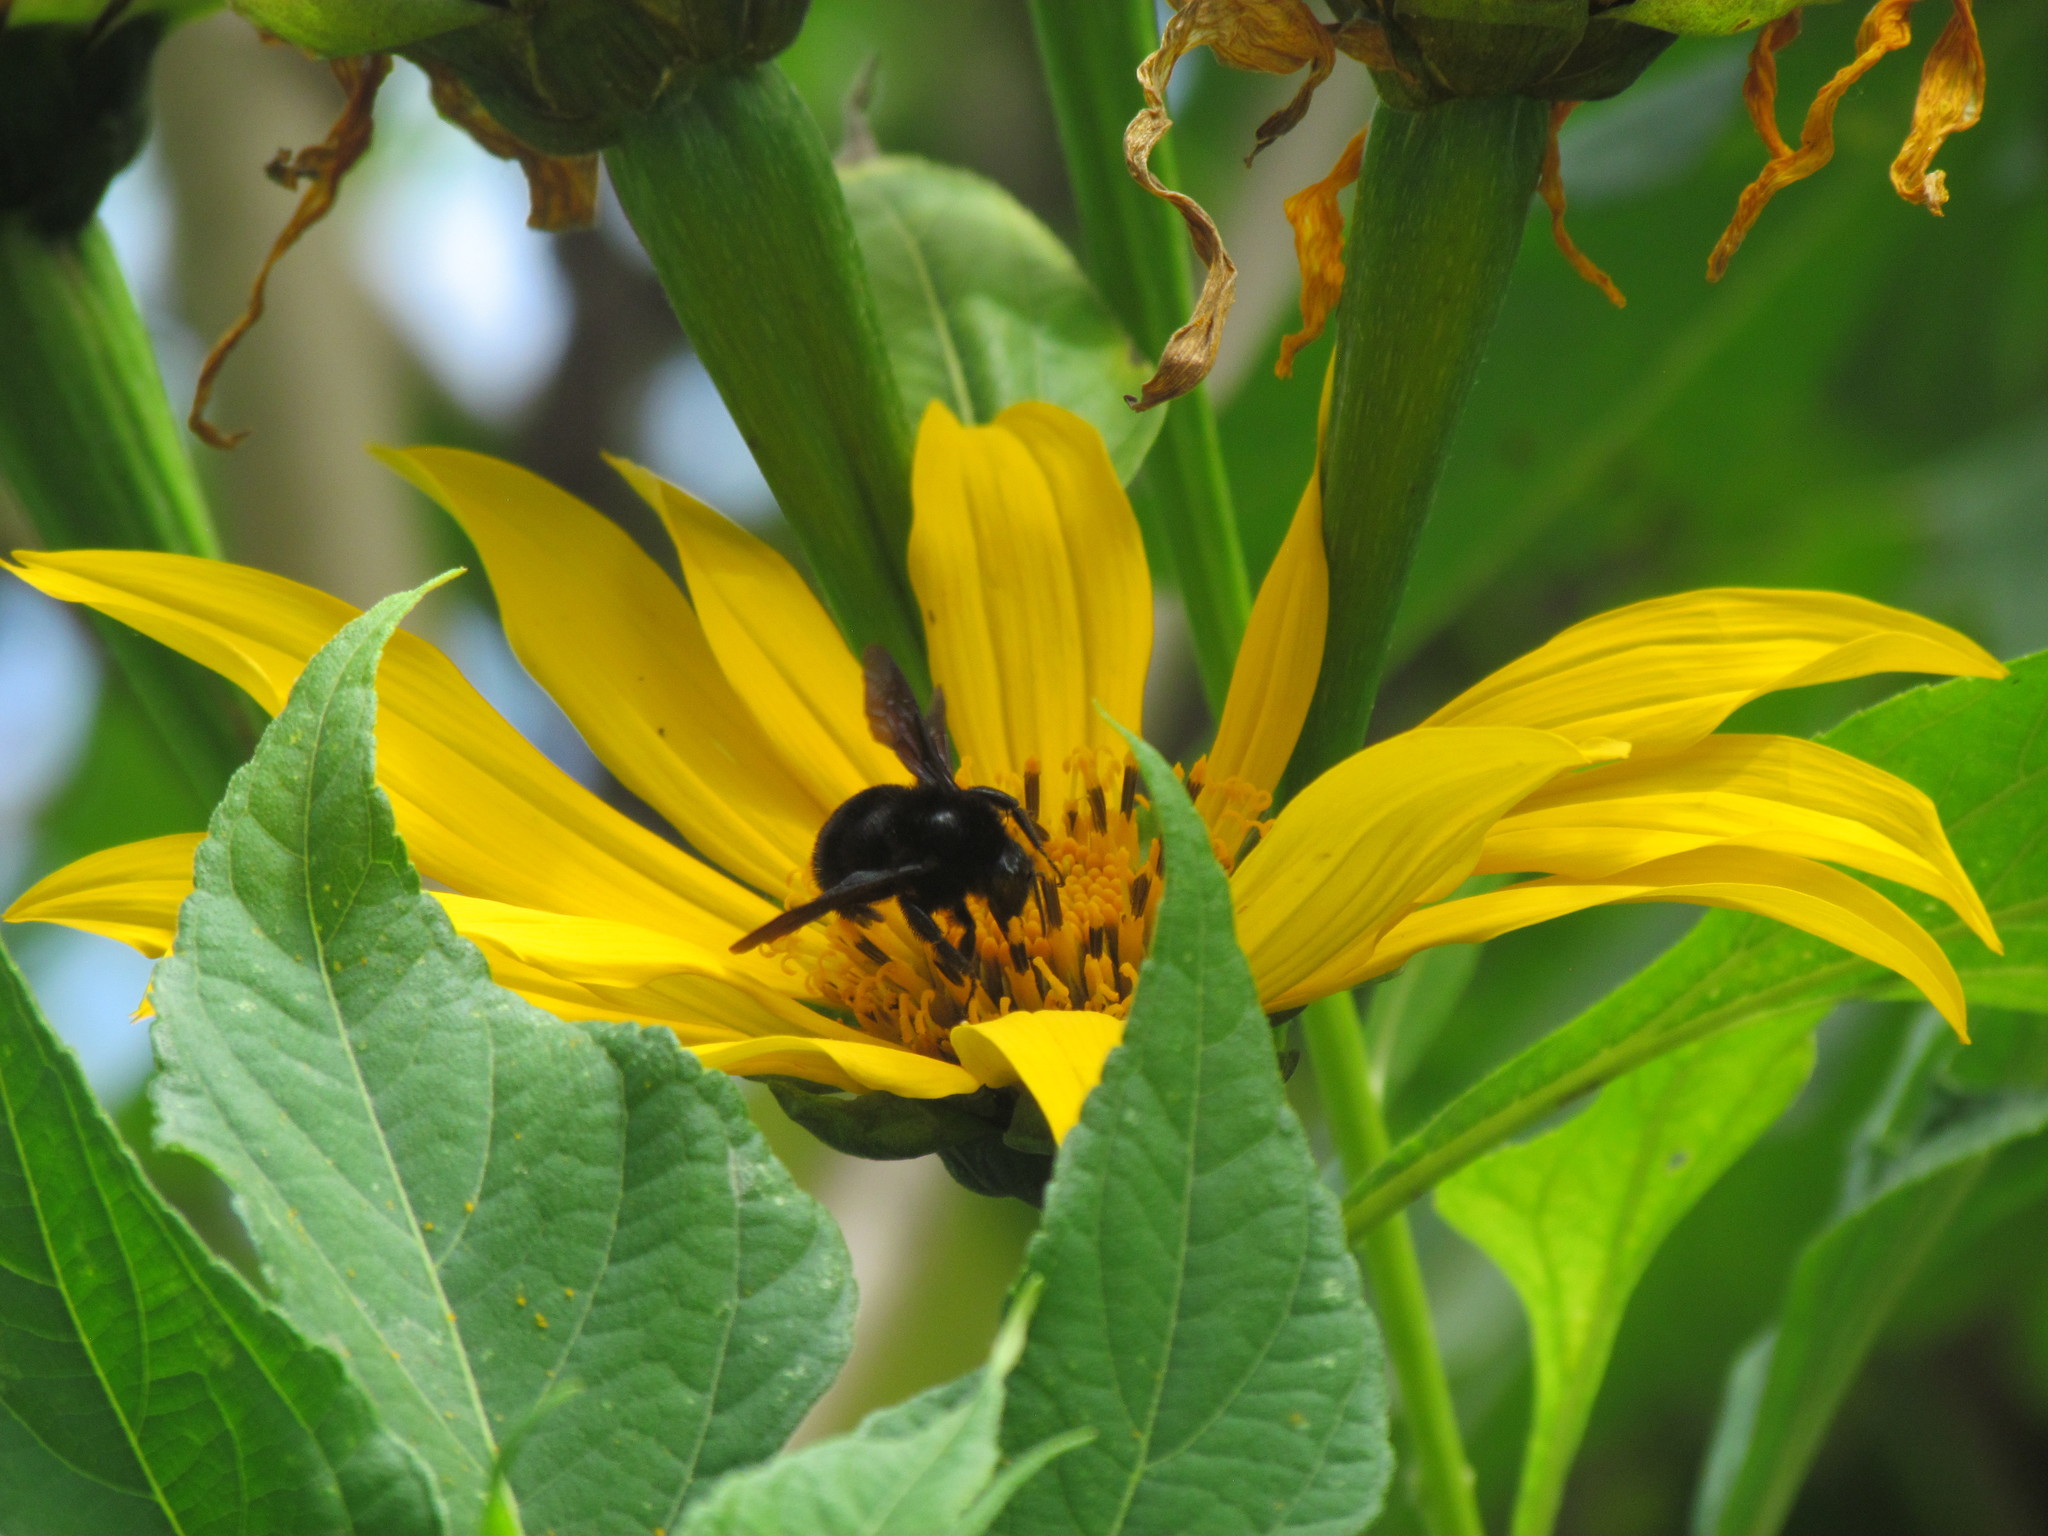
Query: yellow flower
(736, 712)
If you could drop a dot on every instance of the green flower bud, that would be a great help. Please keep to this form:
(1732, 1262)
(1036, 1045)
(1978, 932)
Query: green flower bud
(72, 114)
(563, 74)
(1422, 52)
(338, 29)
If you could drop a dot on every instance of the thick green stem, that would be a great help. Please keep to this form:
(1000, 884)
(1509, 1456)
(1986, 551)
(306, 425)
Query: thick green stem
(731, 189)
(1442, 1476)
(1135, 249)
(1438, 219)
(91, 451)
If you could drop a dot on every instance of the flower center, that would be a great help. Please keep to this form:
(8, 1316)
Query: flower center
(1081, 937)
(1077, 944)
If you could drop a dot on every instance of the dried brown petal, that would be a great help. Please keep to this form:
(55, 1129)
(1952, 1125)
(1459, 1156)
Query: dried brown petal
(1951, 99)
(561, 190)
(1319, 249)
(1273, 37)
(322, 166)
(1885, 30)
(1550, 187)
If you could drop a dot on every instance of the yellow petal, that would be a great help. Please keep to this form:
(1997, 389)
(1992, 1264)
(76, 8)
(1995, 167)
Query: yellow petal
(857, 1067)
(1282, 653)
(1037, 603)
(1056, 1055)
(1374, 835)
(131, 893)
(1661, 674)
(1771, 792)
(633, 972)
(1810, 897)
(604, 630)
(776, 645)
(480, 808)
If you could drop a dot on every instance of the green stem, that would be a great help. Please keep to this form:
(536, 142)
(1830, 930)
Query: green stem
(1443, 1481)
(1440, 209)
(91, 451)
(731, 189)
(1135, 249)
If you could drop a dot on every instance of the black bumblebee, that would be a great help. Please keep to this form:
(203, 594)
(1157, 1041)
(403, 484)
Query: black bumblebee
(930, 844)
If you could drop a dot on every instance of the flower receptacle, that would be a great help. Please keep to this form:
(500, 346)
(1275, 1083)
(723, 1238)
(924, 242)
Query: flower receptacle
(566, 75)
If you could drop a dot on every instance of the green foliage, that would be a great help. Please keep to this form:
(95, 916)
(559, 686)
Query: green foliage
(1978, 748)
(1920, 1157)
(1200, 1311)
(509, 1226)
(929, 1467)
(982, 306)
(143, 1388)
(1575, 1216)
(1702, 18)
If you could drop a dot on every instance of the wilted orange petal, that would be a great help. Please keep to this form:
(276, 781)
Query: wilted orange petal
(1319, 247)
(1951, 99)
(1884, 31)
(1551, 186)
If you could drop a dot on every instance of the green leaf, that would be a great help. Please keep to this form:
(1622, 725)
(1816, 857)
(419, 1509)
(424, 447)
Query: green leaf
(1574, 1217)
(928, 1467)
(338, 28)
(143, 1387)
(475, 1202)
(1980, 749)
(1201, 1312)
(1703, 18)
(1784, 1389)
(983, 307)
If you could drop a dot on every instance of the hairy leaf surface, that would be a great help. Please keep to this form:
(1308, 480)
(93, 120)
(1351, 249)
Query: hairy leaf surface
(506, 1224)
(1201, 1313)
(143, 1387)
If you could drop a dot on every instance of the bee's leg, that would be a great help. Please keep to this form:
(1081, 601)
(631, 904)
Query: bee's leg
(862, 915)
(950, 960)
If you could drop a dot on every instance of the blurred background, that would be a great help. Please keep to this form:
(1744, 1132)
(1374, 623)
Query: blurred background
(1861, 405)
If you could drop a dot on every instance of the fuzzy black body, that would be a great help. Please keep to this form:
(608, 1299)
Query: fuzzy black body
(949, 843)
(928, 845)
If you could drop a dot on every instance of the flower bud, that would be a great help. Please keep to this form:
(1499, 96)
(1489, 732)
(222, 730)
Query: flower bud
(1428, 51)
(72, 114)
(562, 75)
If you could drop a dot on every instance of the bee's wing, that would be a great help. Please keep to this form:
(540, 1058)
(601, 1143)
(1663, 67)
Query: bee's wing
(856, 890)
(896, 722)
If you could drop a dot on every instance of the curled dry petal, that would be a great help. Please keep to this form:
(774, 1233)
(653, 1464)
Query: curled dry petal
(561, 189)
(1550, 186)
(322, 165)
(1885, 29)
(1319, 248)
(1270, 36)
(1951, 99)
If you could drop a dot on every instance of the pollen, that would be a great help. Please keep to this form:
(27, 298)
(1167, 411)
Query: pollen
(1077, 944)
